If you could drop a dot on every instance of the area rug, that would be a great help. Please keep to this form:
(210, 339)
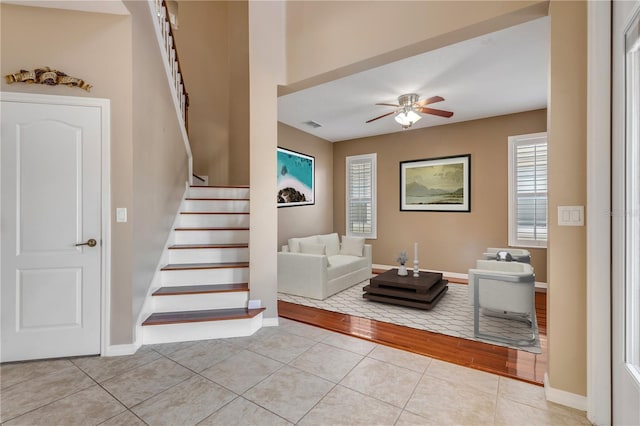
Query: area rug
(452, 316)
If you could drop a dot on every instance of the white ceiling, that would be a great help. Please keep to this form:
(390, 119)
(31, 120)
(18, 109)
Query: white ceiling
(495, 74)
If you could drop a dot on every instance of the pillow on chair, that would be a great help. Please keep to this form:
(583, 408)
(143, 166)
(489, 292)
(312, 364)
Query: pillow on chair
(353, 246)
(504, 256)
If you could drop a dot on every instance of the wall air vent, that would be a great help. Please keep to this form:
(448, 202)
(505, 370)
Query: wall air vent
(313, 124)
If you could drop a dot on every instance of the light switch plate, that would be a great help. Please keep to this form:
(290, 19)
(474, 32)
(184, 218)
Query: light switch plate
(254, 304)
(571, 215)
(121, 214)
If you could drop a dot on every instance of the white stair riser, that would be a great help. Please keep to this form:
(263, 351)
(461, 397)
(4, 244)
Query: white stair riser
(196, 302)
(215, 205)
(203, 192)
(213, 221)
(205, 276)
(152, 334)
(212, 255)
(211, 237)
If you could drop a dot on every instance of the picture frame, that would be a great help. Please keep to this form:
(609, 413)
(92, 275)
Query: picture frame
(440, 184)
(296, 178)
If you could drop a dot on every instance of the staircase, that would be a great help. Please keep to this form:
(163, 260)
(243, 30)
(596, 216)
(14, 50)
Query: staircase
(205, 286)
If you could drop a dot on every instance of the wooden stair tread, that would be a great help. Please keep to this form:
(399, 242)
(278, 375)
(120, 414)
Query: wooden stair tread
(210, 229)
(216, 199)
(201, 289)
(187, 266)
(207, 246)
(220, 186)
(214, 212)
(163, 318)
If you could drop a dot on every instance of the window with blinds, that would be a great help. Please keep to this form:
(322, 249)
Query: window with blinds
(528, 190)
(361, 196)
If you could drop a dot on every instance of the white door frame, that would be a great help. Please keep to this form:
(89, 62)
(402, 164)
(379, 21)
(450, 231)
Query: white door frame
(599, 212)
(105, 176)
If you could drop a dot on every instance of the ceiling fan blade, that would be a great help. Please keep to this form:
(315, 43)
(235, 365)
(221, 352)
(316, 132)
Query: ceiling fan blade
(431, 100)
(437, 112)
(393, 105)
(382, 116)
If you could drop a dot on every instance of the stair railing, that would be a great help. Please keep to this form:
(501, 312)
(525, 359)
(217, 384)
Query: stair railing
(166, 40)
(169, 45)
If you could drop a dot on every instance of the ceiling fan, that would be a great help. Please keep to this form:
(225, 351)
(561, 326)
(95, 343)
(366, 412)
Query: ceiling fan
(408, 108)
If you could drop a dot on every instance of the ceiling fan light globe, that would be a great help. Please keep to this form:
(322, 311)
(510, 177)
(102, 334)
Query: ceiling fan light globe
(407, 118)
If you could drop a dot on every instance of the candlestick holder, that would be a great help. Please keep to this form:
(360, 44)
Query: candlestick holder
(416, 271)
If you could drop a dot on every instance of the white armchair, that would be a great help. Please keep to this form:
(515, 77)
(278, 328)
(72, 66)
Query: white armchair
(506, 290)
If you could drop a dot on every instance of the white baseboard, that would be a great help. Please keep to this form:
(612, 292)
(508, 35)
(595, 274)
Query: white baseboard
(540, 286)
(270, 322)
(561, 397)
(120, 350)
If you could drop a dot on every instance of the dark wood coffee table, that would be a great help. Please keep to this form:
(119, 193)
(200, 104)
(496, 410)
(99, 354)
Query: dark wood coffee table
(423, 292)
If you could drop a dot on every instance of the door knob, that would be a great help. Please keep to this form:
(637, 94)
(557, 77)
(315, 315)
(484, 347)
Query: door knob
(90, 243)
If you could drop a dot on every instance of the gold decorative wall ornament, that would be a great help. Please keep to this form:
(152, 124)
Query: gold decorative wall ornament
(47, 76)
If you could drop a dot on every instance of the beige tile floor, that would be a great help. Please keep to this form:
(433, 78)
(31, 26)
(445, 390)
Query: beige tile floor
(291, 374)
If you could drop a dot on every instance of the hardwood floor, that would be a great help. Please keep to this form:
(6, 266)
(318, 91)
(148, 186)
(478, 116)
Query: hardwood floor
(506, 362)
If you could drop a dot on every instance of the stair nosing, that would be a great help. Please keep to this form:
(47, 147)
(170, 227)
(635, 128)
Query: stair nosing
(212, 229)
(215, 199)
(234, 313)
(207, 246)
(214, 212)
(201, 266)
(210, 289)
(220, 186)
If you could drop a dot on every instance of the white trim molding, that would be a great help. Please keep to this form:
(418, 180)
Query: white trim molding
(561, 397)
(598, 212)
(121, 350)
(540, 286)
(270, 322)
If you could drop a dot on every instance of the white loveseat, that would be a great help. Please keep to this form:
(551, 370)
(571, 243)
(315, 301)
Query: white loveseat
(319, 266)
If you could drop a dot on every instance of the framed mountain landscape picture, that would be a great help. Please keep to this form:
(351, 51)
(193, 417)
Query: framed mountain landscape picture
(296, 174)
(436, 184)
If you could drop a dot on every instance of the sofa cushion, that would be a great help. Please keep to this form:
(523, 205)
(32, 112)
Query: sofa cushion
(332, 243)
(353, 246)
(341, 264)
(294, 243)
(311, 248)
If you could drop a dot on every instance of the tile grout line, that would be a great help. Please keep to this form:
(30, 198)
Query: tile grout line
(53, 401)
(110, 394)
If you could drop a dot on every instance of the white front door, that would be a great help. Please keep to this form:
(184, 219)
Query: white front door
(51, 202)
(626, 213)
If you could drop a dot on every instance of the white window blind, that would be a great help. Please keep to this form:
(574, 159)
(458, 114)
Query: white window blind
(528, 190)
(361, 196)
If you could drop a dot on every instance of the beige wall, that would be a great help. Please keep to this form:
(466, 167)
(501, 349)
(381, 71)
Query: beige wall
(96, 48)
(212, 42)
(566, 302)
(160, 165)
(238, 14)
(447, 241)
(328, 39)
(318, 218)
